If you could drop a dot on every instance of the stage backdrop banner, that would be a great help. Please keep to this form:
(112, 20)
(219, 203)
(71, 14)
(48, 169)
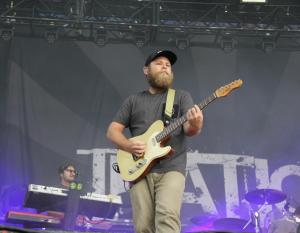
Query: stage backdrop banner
(57, 101)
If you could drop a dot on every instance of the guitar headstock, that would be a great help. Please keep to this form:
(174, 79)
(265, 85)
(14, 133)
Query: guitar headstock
(225, 90)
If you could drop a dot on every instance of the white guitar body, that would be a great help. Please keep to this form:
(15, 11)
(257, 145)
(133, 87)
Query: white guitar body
(132, 169)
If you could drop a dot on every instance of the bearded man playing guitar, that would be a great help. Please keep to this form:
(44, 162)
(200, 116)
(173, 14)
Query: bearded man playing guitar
(156, 195)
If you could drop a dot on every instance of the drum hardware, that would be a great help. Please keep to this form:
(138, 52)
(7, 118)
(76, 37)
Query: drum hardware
(255, 220)
(296, 215)
(262, 197)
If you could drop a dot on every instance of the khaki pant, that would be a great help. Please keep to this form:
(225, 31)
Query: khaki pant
(156, 202)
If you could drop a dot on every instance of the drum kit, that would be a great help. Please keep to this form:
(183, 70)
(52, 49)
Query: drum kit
(285, 221)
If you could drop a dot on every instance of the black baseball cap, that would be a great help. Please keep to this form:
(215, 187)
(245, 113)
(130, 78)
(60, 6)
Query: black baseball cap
(161, 53)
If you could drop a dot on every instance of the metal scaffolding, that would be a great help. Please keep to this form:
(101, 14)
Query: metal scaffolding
(164, 22)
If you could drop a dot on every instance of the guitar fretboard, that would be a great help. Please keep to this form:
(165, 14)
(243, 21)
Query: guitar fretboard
(174, 125)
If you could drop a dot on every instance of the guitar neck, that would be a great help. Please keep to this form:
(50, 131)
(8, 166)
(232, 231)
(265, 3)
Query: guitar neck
(180, 121)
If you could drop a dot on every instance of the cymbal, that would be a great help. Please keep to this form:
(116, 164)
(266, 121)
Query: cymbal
(232, 224)
(265, 196)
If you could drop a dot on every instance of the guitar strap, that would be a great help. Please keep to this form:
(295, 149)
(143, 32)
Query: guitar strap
(169, 106)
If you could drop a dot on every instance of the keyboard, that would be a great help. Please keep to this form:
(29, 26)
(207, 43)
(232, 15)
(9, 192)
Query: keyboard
(45, 198)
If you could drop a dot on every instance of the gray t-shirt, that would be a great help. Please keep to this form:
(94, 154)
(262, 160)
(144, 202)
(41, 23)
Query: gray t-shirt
(140, 110)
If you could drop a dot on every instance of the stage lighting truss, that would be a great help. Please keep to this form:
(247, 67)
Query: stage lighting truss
(80, 20)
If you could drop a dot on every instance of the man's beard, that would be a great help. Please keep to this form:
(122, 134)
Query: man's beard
(160, 80)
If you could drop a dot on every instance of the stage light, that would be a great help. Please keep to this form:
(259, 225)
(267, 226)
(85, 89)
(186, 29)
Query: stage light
(51, 36)
(227, 44)
(100, 40)
(182, 43)
(7, 34)
(288, 11)
(225, 9)
(253, 1)
(101, 37)
(140, 42)
(140, 39)
(268, 45)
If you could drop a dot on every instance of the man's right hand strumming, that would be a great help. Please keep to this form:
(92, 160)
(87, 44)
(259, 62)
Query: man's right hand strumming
(137, 148)
(115, 134)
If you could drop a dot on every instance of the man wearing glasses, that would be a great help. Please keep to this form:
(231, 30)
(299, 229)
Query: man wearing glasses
(67, 174)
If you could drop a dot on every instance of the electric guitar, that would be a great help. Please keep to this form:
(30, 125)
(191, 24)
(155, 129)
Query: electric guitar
(133, 168)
